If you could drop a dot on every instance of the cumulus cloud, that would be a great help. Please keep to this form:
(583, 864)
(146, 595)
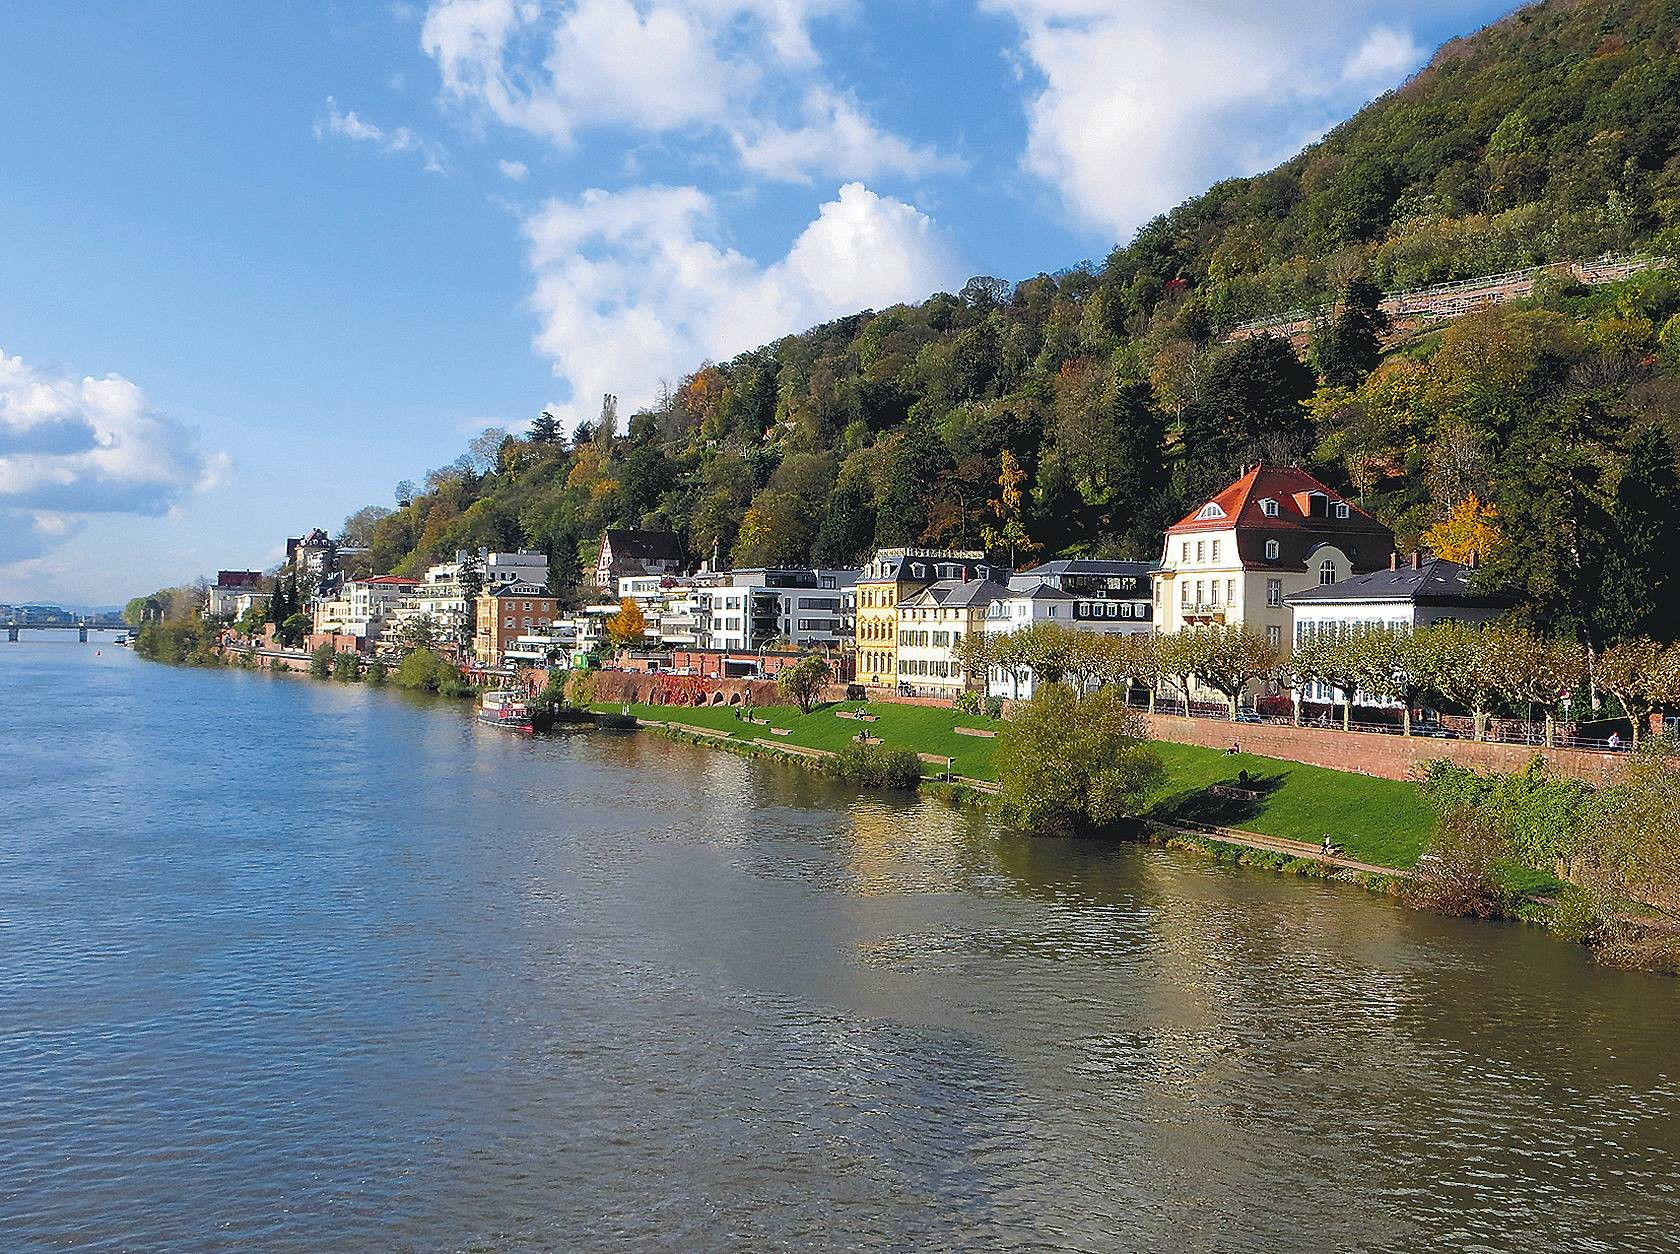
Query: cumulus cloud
(518, 171)
(347, 124)
(1137, 106)
(834, 136)
(72, 448)
(745, 71)
(633, 287)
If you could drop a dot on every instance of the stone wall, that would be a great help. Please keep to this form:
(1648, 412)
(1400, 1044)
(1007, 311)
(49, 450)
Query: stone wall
(1385, 756)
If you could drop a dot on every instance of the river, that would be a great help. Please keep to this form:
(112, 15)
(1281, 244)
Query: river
(302, 966)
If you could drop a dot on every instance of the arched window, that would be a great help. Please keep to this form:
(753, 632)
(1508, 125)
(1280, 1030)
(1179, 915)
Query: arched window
(1327, 571)
(1271, 550)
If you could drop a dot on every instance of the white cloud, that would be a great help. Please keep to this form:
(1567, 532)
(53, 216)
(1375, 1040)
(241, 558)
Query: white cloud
(743, 70)
(347, 124)
(1383, 58)
(634, 287)
(1143, 104)
(837, 138)
(72, 448)
(518, 171)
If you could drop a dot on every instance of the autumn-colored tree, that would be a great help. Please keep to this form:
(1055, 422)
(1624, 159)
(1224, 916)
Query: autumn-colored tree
(1469, 531)
(1011, 529)
(629, 625)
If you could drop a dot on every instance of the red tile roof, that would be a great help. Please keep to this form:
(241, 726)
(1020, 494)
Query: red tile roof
(1298, 531)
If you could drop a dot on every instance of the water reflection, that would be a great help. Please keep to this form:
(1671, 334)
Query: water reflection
(306, 966)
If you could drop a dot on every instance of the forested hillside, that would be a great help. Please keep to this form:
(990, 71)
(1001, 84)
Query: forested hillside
(1079, 413)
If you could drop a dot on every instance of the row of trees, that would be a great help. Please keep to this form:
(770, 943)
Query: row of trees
(1476, 669)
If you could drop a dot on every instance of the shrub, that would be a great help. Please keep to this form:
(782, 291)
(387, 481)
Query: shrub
(377, 671)
(1460, 872)
(803, 681)
(1067, 762)
(321, 661)
(346, 666)
(877, 766)
(425, 671)
(615, 721)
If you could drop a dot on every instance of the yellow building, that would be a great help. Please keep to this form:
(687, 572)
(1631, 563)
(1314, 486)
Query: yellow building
(891, 576)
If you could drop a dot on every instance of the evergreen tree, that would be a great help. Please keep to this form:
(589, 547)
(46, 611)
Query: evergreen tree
(470, 578)
(545, 429)
(1348, 347)
(847, 528)
(1641, 589)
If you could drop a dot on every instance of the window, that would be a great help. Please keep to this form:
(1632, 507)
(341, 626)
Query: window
(1187, 592)
(1210, 510)
(1215, 591)
(1054, 612)
(1186, 555)
(1231, 591)
(1271, 550)
(1342, 510)
(1274, 592)
(1215, 548)
(508, 623)
(1198, 550)
(1200, 598)
(1269, 508)
(1274, 636)
(1326, 571)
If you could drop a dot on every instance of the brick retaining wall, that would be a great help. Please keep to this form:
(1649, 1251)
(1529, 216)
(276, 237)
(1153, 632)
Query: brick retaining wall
(1387, 757)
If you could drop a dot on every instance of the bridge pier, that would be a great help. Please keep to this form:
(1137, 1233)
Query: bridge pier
(12, 634)
(82, 633)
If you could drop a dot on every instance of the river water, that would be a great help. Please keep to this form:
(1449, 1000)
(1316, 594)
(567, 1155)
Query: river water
(300, 966)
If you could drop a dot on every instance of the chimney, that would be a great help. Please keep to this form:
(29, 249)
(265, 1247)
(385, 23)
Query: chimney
(1394, 559)
(1417, 560)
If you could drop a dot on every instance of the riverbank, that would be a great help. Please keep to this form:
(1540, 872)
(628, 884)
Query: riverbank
(1379, 822)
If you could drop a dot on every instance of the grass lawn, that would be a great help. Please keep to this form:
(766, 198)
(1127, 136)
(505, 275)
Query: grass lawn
(1385, 821)
(1382, 821)
(924, 729)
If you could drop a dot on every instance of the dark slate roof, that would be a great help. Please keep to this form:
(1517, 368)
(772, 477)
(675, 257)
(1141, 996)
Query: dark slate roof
(647, 546)
(1097, 566)
(1435, 582)
(958, 593)
(1039, 592)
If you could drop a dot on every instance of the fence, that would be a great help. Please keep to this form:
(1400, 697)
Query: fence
(1461, 296)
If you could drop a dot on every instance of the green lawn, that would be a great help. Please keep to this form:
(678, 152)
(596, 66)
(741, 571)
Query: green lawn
(1381, 821)
(1384, 821)
(924, 729)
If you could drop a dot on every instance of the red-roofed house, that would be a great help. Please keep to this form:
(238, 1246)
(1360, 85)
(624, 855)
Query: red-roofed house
(1275, 531)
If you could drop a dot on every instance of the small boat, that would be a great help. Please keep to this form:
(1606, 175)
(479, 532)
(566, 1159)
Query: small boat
(506, 708)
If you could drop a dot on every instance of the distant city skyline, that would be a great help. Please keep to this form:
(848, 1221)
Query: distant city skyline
(262, 263)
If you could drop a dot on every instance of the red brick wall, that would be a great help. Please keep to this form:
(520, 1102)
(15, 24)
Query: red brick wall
(1388, 757)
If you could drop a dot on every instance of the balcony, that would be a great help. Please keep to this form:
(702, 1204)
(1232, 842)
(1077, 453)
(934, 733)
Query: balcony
(1202, 612)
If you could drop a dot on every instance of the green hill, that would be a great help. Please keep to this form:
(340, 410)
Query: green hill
(1544, 430)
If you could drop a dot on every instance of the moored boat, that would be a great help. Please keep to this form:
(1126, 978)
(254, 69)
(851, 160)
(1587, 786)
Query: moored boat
(506, 708)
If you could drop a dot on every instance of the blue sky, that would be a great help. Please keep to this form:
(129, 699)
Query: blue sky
(259, 262)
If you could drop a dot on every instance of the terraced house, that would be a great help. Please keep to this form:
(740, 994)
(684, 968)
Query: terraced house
(932, 625)
(891, 576)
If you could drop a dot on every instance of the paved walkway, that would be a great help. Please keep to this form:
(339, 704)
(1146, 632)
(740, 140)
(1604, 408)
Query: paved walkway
(1276, 844)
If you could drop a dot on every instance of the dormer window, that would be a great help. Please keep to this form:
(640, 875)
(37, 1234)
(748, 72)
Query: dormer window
(1326, 572)
(1272, 548)
(1342, 510)
(1211, 510)
(1269, 508)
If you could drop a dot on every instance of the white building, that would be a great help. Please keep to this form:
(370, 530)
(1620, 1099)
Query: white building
(932, 625)
(234, 592)
(362, 606)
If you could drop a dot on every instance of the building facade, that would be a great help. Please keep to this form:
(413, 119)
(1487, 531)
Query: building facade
(627, 551)
(933, 622)
(233, 593)
(508, 612)
(890, 577)
(1275, 531)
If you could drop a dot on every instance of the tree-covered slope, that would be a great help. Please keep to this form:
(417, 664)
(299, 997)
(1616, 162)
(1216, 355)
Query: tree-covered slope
(1084, 411)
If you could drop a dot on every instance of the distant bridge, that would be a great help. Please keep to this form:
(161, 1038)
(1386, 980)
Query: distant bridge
(81, 627)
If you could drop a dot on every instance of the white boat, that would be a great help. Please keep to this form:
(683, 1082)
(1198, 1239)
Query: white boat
(506, 708)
